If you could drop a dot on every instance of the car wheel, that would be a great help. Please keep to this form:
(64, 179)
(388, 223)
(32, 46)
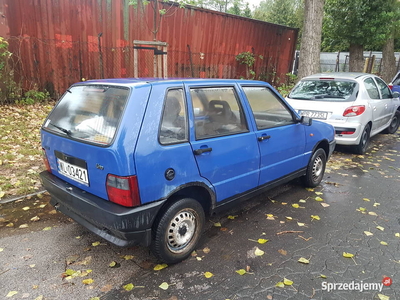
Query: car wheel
(362, 146)
(315, 169)
(394, 124)
(178, 231)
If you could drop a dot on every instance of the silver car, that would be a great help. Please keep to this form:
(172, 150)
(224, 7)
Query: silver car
(358, 105)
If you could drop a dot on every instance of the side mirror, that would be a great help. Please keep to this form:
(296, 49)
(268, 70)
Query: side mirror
(306, 121)
(395, 94)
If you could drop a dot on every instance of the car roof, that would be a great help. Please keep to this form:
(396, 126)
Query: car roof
(140, 81)
(339, 75)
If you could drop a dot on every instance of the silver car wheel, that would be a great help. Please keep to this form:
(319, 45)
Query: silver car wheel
(181, 230)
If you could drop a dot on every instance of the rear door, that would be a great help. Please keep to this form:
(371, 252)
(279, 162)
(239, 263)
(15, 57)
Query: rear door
(387, 99)
(280, 138)
(225, 149)
(379, 106)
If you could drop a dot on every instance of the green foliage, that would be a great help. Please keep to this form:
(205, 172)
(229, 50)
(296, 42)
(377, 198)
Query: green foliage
(32, 97)
(246, 58)
(285, 88)
(283, 12)
(357, 22)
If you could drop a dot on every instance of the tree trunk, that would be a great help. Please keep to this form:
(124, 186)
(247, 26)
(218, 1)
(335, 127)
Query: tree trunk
(310, 47)
(356, 61)
(388, 60)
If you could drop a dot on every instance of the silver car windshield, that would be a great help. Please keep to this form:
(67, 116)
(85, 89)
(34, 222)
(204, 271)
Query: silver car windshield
(90, 113)
(329, 90)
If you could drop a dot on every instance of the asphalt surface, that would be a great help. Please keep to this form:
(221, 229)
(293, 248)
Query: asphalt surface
(359, 215)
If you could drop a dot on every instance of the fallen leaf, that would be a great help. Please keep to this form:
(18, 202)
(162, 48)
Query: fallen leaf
(376, 204)
(300, 224)
(258, 252)
(232, 217)
(23, 226)
(217, 224)
(384, 243)
(114, 264)
(323, 276)
(287, 281)
(315, 217)
(284, 203)
(208, 274)
(160, 267)
(397, 234)
(128, 287)
(35, 219)
(380, 228)
(383, 297)
(39, 297)
(2, 193)
(128, 257)
(372, 213)
(206, 250)
(106, 288)
(164, 286)
(310, 189)
(289, 218)
(318, 199)
(241, 271)
(283, 252)
(262, 241)
(199, 258)
(319, 193)
(303, 260)
(362, 209)
(11, 293)
(71, 259)
(295, 205)
(302, 201)
(366, 199)
(26, 208)
(88, 281)
(348, 255)
(367, 233)
(280, 284)
(95, 298)
(1, 249)
(95, 244)
(46, 229)
(325, 204)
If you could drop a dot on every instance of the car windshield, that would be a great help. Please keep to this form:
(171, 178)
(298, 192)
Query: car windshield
(320, 89)
(88, 112)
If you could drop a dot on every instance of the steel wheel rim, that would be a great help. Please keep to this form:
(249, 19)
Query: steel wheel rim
(181, 230)
(317, 168)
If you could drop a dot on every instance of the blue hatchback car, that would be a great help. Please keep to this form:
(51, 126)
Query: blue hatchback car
(146, 161)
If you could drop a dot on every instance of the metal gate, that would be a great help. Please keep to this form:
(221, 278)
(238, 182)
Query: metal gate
(151, 60)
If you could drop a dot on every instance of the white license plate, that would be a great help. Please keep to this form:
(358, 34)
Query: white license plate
(74, 172)
(314, 114)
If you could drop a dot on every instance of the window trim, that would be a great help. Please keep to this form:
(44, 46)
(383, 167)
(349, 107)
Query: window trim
(186, 121)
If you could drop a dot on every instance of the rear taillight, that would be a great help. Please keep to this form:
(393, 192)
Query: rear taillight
(45, 160)
(123, 190)
(390, 86)
(353, 111)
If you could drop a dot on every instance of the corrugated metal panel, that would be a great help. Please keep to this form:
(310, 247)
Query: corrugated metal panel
(58, 42)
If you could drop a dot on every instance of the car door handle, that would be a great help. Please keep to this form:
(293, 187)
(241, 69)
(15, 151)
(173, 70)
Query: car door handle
(202, 150)
(263, 137)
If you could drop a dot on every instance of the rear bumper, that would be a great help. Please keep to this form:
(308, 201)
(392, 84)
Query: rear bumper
(118, 225)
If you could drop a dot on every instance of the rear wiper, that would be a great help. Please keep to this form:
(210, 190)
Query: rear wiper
(66, 131)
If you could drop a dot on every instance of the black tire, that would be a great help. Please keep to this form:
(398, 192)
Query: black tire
(362, 146)
(394, 124)
(316, 168)
(178, 231)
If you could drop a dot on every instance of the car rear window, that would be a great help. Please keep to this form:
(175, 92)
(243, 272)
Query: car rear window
(330, 90)
(88, 112)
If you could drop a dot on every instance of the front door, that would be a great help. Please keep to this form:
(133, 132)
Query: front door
(280, 138)
(225, 149)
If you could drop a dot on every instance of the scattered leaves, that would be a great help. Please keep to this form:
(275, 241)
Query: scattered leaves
(46, 229)
(114, 264)
(11, 293)
(323, 276)
(289, 218)
(217, 224)
(208, 274)
(23, 226)
(206, 250)
(383, 297)
(35, 219)
(164, 286)
(280, 284)
(380, 228)
(95, 244)
(128, 257)
(319, 193)
(372, 213)
(232, 217)
(384, 243)
(318, 199)
(282, 251)
(262, 241)
(295, 205)
(302, 201)
(160, 267)
(300, 224)
(324, 204)
(367, 233)
(397, 234)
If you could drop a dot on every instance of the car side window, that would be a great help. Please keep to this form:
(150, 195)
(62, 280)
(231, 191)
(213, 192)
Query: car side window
(371, 88)
(173, 127)
(217, 112)
(385, 91)
(268, 110)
